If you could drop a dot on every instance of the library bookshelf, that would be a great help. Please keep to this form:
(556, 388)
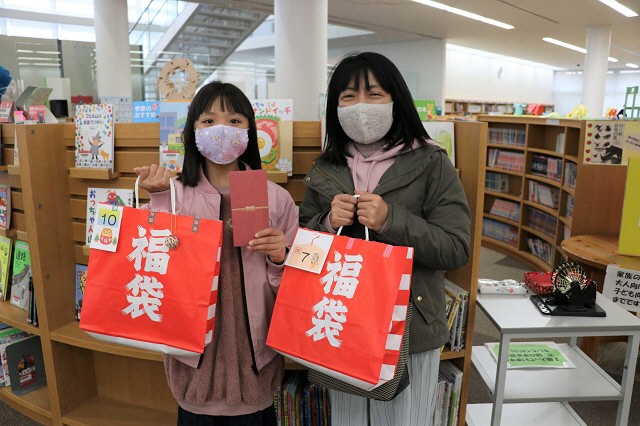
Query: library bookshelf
(90, 382)
(538, 192)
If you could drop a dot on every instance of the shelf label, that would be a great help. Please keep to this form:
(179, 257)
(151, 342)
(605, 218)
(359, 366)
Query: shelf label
(553, 121)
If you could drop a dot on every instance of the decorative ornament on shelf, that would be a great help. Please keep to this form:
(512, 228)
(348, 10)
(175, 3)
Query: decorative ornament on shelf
(173, 89)
(574, 294)
(579, 111)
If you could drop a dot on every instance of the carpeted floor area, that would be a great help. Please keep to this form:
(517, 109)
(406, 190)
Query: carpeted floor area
(497, 266)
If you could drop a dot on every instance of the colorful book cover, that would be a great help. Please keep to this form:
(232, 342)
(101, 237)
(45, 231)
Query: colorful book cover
(113, 196)
(81, 279)
(426, 109)
(443, 133)
(5, 206)
(6, 111)
(37, 113)
(172, 116)
(629, 240)
(146, 111)
(26, 365)
(21, 275)
(94, 136)
(5, 262)
(275, 133)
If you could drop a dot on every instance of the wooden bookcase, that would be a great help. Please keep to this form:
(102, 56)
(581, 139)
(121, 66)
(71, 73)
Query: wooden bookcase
(90, 382)
(597, 193)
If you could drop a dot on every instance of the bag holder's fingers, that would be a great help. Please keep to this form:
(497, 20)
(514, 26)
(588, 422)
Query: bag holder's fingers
(172, 189)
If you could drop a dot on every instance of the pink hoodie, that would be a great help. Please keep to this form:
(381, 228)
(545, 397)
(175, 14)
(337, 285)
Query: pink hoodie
(261, 277)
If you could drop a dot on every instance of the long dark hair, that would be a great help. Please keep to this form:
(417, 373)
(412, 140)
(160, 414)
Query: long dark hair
(355, 68)
(231, 99)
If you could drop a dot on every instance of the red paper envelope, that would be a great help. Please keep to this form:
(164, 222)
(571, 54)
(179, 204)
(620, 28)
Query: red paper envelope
(249, 205)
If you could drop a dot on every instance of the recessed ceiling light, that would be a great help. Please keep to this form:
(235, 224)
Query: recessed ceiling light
(464, 13)
(630, 65)
(572, 47)
(613, 4)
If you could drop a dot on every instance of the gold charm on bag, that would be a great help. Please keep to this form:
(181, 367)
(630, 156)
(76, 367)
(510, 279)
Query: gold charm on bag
(172, 241)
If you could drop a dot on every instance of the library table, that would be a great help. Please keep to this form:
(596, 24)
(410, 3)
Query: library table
(595, 253)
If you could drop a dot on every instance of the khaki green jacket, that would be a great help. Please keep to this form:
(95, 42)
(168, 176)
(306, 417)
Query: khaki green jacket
(427, 211)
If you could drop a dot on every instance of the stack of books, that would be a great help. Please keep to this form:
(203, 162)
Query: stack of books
(448, 392)
(506, 209)
(543, 194)
(496, 182)
(549, 167)
(504, 159)
(301, 403)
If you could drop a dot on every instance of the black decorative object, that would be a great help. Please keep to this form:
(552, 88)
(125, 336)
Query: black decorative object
(574, 294)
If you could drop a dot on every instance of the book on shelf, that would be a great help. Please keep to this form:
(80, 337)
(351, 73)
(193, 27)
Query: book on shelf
(81, 279)
(6, 111)
(458, 329)
(505, 208)
(500, 231)
(570, 172)
(505, 159)
(94, 135)
(541, 249)
(568, 206)
(503, 136)
(543, 194)
(21, 275)
(172, 116)
(113, 196)
(542, 221)
(26, 365)
(498, 182)
(5, 206)
(453, 375)
(549, 167)
(8, 336)
(6, 245)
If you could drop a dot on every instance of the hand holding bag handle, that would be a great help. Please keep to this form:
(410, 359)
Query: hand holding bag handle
(172, 188)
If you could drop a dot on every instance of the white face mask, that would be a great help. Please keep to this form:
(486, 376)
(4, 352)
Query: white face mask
(366, 123)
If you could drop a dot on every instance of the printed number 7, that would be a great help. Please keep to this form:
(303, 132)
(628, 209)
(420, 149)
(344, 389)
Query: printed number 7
(305, 255)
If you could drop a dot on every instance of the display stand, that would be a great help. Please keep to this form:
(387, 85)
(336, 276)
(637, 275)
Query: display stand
(516, 317)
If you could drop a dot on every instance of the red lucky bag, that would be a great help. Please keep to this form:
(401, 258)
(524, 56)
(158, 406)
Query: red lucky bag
(347, 321)
(152, 293)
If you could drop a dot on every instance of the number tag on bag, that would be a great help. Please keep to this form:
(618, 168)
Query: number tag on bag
(107, 222)
(309, 250)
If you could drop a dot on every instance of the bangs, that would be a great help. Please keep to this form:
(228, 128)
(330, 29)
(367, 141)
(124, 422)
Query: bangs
(355, 73)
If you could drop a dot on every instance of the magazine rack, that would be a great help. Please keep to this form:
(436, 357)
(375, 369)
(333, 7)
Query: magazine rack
(92, 382)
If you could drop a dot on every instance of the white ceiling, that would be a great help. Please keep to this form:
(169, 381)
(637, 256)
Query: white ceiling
(565, 20)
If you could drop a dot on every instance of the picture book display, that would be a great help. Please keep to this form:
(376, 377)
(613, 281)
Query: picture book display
(81, 279)
(6, 112)
(5, 206)
(8, 335)
(5, 262)
(94, 136)
(172, 116)
(113, 196)
(26, 365)
(442, 132)
(274, 122)
(426, 109)
(21, 275)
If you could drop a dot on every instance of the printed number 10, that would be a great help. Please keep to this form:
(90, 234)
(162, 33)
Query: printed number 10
(109, 219)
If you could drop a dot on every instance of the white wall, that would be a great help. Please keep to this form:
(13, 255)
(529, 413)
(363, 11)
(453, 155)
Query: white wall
(420, 62)
(567, 91)
(478, 77)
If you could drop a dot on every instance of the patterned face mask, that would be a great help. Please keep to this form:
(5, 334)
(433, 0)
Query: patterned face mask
(222, 144)
(366, 123)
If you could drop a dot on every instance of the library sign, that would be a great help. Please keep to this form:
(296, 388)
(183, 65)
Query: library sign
(623, 287)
